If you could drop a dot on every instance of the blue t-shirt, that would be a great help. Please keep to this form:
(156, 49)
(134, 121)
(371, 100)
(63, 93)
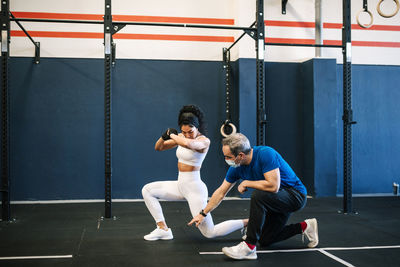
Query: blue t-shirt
(266, 159)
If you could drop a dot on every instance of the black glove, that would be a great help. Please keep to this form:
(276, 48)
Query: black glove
(165, 136)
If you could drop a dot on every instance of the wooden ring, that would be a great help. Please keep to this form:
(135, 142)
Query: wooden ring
(365, 26)
(223, 132)
(378, 8)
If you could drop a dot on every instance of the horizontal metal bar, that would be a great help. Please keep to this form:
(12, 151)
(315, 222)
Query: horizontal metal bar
(188, 25)
(137, 24)
(307, 45)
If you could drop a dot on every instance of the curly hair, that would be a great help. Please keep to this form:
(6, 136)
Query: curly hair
(197, 112)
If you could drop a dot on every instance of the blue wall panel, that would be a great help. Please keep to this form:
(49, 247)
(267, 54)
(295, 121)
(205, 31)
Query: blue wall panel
(325, 126)
(376, 146)
(57, 124)
(56, 129)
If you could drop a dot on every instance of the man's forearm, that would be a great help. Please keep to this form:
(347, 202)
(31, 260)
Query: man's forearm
(214, 201)
(263, 185)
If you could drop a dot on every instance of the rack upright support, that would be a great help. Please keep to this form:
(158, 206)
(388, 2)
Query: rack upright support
(108, 107)
(260, 40)
(5, 134)
(347, 109)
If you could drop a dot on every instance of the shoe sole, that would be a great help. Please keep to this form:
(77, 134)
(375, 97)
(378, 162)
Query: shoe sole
(238, 258)
(315, 223)
(155, 239)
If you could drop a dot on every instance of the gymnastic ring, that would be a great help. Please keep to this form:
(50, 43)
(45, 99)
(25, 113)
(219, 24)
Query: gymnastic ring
(223, 132)
(365, 26)
(378, 8)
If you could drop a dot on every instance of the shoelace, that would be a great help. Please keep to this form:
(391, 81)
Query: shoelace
(243, 231)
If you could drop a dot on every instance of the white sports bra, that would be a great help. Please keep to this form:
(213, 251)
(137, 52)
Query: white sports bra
(190, 157)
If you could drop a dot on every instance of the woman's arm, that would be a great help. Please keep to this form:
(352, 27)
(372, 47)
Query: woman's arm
(199, 144)
(162, 144)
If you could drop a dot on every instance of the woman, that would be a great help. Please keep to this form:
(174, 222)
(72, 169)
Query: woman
(192, 149)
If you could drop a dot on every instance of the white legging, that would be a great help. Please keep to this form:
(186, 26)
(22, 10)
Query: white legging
(190, 187)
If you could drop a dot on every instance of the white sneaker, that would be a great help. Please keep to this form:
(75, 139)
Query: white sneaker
(159, 233)
(240, 252)
(311, 232)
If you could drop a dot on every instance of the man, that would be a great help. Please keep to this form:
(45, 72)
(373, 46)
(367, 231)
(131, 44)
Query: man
(278, 192)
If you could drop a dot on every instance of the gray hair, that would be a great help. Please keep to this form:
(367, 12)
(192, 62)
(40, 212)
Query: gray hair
(237, 143)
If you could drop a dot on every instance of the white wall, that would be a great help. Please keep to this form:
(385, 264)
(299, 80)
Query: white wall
(242, 12)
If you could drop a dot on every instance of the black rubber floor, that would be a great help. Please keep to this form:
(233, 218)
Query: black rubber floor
(77, 230)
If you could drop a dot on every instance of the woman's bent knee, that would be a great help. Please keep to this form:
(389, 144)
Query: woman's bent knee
(146, 190)
(208, 233)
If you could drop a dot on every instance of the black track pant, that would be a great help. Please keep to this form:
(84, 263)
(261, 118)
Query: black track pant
(269, 213)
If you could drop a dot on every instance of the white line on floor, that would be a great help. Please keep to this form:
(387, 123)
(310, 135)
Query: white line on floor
(311, 249)
(354, 248)
(336, 258)
(321, 250)
(36, 257)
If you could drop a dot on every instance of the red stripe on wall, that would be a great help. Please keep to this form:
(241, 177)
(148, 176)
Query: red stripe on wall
(95, 35)
(289, 40)
(328, 25)
(173, 20)
(66, 16)
(332, 42)
(170, 37)
(280, 23)
(357, 27)
(84, 35)
(364, 43)
(127, 18)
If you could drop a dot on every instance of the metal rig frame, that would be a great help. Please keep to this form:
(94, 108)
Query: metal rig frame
(110, 28)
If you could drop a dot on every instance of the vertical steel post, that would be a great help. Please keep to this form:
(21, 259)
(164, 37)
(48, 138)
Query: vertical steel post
(5, 135)
(318, 27)
(260, 40)
(347, 109)
(226, 65)
(107, 107)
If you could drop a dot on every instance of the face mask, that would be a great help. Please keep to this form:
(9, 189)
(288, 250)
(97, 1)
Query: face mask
(232, 163)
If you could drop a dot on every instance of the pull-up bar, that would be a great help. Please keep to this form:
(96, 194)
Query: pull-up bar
(182, 25)
(307, 45)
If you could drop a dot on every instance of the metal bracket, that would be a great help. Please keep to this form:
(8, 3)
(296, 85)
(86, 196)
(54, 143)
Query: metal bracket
(4, 41)
(37, 52)
(37, 44)
(252, 33)
(113, 53)
(348, 117)
(116, 27)
(284, 3)
(263, 117)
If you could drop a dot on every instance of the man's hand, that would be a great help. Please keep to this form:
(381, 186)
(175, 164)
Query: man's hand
(197, 220)
(242, 187)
